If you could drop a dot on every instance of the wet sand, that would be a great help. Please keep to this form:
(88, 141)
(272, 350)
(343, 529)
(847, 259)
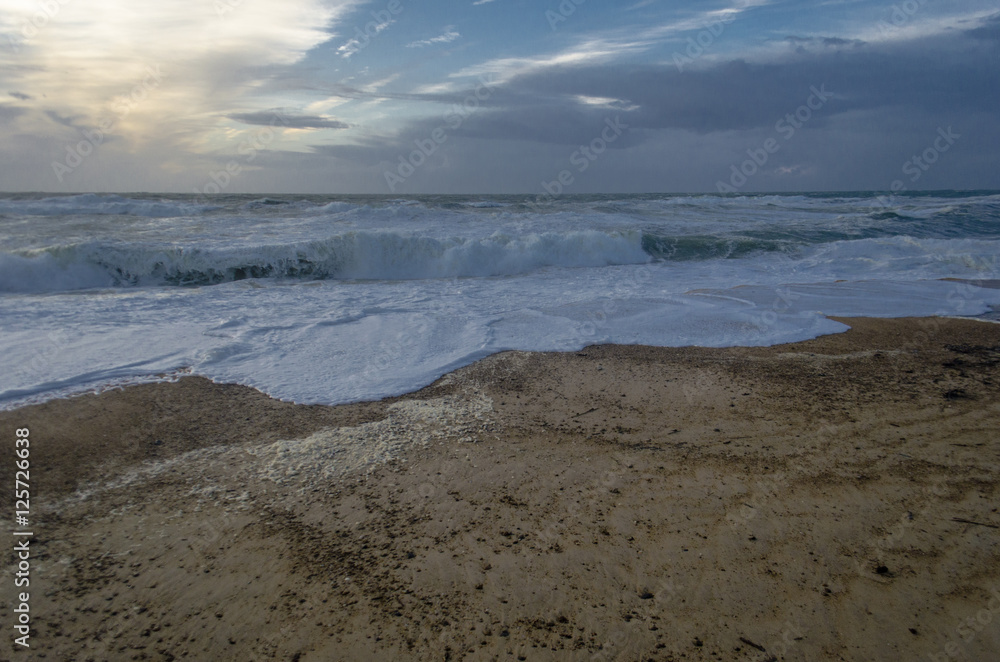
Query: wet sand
(835, 499)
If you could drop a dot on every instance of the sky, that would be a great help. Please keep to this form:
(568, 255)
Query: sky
(498, 96)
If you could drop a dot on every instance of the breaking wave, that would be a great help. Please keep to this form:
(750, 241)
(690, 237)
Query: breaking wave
(352, 255)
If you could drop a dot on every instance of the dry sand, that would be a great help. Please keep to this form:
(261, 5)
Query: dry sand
(834, 499)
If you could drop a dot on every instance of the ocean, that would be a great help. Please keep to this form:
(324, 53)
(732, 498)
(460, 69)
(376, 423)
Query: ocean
(332, 299)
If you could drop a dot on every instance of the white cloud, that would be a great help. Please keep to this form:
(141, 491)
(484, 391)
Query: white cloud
(449, 35)
(87, 59)
(890, 28)
(605, 102)
(352, 46)
(900, 26)
(587, 52)
(375, 85)
(598, 47)
(435, 88)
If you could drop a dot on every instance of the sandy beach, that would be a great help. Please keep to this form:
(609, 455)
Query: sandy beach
(834, 499)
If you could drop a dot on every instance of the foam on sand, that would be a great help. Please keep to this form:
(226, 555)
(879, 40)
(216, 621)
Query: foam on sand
(338, 451)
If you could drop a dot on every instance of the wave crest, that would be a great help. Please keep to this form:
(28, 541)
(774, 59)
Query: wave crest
(101, 205)
(351, 256)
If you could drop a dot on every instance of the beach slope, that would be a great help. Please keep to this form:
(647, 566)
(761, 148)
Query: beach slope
(834, 499)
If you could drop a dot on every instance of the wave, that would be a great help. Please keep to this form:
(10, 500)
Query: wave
(264, 203)
(890, 216)
(351, 256)
(705, 247)
(485, 204)
(97, 204)
(336, 207)
(307, 206)
(396, 255)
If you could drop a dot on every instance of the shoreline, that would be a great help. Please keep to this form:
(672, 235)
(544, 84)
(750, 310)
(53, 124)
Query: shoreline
(827, 499)
(74, 390)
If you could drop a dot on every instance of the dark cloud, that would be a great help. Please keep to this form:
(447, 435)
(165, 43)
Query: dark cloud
(830, 42)
(949, 76)
(687, 127)
(944, 75)
(990, 31)
(20, 95)
(64, 120)
(282, 119)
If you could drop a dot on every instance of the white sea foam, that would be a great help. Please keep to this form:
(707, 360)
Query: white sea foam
(97, 204)
(373, 298)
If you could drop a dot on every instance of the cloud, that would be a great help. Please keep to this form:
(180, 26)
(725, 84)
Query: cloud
(279, 118)
(503, 70)
(352, 46)
(989, 30)
(66, 121)
(449, 35)
(185, 84)
(169, 73)
(602, 47)
(886, 98)
(9, 112)
(827, 42)
(949, 73)
(899, 26)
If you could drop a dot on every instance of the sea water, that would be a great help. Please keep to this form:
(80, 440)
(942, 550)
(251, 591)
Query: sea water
(330, 299)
